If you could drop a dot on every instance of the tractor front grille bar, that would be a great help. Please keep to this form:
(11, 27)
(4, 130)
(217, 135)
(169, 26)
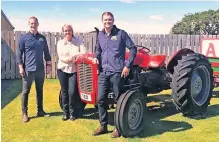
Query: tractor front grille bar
(85, 77)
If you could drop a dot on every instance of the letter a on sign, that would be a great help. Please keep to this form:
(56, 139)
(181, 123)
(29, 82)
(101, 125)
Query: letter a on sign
(211, 51)
(210, 47)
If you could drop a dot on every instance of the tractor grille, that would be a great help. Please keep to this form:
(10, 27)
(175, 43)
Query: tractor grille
(85, 77)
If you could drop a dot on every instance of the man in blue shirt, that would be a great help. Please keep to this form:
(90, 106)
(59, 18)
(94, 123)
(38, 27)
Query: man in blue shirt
(110, 54)
(31, 46)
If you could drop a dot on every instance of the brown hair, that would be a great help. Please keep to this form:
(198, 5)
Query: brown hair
(33, 17)
(68, 25)
(107, 13)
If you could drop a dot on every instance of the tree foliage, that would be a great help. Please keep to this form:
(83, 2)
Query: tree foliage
(206, 22)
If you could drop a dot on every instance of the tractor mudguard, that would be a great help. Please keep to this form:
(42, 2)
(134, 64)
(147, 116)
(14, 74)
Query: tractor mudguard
(145, 60)
(177, 56)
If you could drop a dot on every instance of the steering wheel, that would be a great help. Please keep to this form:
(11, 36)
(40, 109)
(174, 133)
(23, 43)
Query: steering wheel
(142, 49)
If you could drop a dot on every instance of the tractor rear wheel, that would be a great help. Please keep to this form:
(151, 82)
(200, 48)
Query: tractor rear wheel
(80, 105)
(130, 113)
(192, 84)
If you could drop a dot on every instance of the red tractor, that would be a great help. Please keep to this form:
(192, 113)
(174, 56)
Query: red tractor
(187, 73)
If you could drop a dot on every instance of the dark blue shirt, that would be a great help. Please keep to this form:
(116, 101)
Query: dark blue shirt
(111, 50)
(32, 47)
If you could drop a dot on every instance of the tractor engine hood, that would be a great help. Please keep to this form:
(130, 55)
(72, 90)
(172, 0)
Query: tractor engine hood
(85, 58)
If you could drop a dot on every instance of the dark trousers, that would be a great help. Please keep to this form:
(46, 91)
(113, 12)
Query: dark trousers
(38, 77)
(68, 82)
(104, 80)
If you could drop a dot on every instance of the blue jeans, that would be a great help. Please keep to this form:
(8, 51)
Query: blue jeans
(38, 77)
(104, 80)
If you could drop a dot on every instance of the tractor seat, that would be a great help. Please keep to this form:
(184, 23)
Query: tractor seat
(156, 61)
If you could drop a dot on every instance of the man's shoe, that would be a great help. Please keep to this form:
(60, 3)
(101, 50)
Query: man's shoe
(42, 114)
(25, 117)
(65, 117)
(72, 117)
(101, 130)
(115, 133)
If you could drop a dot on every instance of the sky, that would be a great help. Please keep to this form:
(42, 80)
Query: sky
(140, 17)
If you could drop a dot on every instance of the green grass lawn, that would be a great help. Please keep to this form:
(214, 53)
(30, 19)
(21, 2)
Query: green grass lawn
(162, 122)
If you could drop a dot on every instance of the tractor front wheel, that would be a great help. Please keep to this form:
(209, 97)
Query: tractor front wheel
(192, 84)
(129, 113)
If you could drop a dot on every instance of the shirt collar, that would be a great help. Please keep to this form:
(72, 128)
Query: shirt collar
(113, 30)
(29, 33)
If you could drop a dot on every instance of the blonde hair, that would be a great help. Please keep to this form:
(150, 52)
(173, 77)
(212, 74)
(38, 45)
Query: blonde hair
(33, 17)
(68, 25)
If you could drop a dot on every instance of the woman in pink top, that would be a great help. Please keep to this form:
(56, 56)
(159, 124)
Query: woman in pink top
(68, 50)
